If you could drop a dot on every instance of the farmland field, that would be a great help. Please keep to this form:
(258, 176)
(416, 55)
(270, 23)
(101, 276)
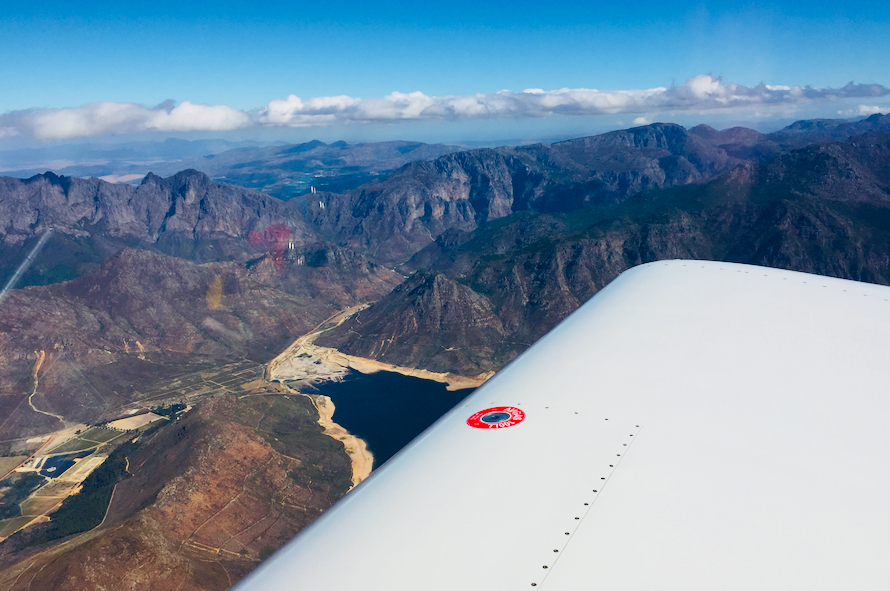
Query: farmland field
(100, 434)
(10, 526)
(10, 462)
(92, 437)
(39, 505)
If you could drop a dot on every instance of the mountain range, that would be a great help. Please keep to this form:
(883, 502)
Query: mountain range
(460, 260)
(822, 209)
(279, 169)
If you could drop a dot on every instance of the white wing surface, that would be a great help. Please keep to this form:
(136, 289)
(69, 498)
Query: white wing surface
(694, 426)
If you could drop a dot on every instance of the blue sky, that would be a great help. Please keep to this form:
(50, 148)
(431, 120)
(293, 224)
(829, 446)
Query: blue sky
(243, 55)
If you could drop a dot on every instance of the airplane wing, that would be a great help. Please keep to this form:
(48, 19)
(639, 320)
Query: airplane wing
(696, 425)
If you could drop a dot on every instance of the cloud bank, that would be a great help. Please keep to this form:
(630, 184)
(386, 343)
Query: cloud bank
(702, 93)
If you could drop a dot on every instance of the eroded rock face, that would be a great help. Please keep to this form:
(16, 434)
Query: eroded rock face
(186, 215)
(429, 321)
(188, 203)
(822, 209)
(397, 216)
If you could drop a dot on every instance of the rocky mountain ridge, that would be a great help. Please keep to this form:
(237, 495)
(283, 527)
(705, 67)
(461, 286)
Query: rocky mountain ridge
(186, 215)
(281, 170)
(393, 218)
(823, 209)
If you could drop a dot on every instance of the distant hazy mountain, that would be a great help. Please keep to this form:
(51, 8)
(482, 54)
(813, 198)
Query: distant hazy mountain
(101, 159)
(281, 170)
(287, 171)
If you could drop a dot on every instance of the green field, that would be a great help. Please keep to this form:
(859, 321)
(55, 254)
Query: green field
(9, 462)
(92, 437)
(100, 434)
(10, 526)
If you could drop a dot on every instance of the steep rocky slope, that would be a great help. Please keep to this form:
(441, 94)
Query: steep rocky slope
(824, 209)
(393, 218)
(428, 321)
(186, 215)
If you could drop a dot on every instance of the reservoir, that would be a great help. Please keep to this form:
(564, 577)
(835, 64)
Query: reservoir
(388, 409)
(55, 466)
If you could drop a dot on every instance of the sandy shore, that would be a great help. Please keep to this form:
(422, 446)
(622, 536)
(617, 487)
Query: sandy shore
(305, 362)
(357, 449)
(453, 381)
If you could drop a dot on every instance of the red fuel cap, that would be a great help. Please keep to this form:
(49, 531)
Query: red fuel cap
(496, 417)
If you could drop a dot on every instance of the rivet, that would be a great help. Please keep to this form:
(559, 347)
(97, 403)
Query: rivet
(567, 533)
(577, 518)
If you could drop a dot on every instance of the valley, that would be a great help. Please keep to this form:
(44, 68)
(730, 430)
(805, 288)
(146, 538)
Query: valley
(174, 362)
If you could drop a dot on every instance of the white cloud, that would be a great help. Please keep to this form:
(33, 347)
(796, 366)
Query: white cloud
(864, 111)
(107, 118)
(188, 116)
(700, 94)
(641, 121)
(873, 110)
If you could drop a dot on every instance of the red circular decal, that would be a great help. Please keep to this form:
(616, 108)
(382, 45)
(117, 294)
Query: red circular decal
(496, 417)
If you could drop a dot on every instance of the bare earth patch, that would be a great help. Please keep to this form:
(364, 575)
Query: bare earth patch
(135, 422)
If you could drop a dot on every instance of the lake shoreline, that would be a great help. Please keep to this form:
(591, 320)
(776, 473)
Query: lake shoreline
(304, 362)
(356, 448)
(387, 409)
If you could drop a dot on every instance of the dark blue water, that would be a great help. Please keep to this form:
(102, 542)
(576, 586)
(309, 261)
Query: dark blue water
(55, 466)
(388, 409)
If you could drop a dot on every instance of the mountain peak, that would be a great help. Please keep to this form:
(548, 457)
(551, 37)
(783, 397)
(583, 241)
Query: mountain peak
(423, 319)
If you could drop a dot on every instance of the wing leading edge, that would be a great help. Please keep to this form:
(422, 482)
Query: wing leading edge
(694, 425)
